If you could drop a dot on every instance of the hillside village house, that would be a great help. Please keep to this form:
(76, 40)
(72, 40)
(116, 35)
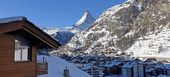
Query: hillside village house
(19, 42)
(134, 68)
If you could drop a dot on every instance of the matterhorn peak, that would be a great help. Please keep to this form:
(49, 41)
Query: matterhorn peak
(85, 21)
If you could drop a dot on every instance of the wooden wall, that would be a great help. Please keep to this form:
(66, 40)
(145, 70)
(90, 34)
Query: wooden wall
(9, 68)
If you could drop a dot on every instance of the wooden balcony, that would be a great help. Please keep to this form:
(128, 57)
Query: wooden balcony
(42, 68)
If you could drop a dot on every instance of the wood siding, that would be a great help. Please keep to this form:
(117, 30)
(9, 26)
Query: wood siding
(9, 68)
(42, 68)
(38, 39)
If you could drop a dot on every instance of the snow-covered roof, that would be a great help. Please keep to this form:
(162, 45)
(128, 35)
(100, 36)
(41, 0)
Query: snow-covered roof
(113, 63)
(113, 76)
(57, 65)
(167, 66)
(149, 69)
(87, 66)
(12, 19)
(163, 76)
(128, 65)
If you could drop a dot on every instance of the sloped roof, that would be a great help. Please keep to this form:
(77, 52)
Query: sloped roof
(12, 19)
(113, 63)
(12, 24)
(128, 65)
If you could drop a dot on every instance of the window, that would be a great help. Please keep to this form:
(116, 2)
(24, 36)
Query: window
(22, 49)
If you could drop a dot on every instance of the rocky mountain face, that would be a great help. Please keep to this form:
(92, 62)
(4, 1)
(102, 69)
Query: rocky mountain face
(85, 21)
(65, 35)
(62, 36)
(121, 28)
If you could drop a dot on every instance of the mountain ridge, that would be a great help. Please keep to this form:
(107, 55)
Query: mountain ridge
(119, 28)
(65, 35)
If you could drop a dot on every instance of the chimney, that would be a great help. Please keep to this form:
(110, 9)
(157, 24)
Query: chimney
(66, 72)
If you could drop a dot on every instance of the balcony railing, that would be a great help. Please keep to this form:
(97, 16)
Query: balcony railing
(42, 68)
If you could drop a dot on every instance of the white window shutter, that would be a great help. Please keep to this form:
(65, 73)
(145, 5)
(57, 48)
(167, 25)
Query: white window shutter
(25, 54)
(17, 54)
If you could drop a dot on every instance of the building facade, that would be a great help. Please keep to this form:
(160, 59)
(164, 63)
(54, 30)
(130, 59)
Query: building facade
(19, 41)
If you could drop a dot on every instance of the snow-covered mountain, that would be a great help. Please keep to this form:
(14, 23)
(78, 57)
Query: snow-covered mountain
(65, 35)
(85, 21)
(122, 27)
(51, 31)
(62, 36)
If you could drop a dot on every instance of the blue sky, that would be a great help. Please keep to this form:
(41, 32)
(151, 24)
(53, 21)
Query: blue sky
(54, 13)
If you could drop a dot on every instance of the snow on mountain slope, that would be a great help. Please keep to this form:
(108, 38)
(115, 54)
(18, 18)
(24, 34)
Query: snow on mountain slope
(63, 36)
(51, 31)
(120, 27)
(57, 65)
(152, 45)
(102, 36)
(85, 21)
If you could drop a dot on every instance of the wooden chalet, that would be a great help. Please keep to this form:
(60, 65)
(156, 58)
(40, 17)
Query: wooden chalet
(19, 42)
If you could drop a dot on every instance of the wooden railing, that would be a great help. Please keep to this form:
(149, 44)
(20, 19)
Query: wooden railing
(42, 68)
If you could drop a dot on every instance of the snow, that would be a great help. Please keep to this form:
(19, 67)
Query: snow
(51, 31)
(155, 45)
(11, 19)
(63, 36)
(85, 21)
(111, 11)
(128, 65)
(139, 7)
(131, 33)
(114, 76)
(167, 66)
(163, 76)
(56, 66)
(83, 18)
(131, 0)
(87, 66)
(113, 63)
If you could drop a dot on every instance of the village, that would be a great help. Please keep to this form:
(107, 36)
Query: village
(117, 67)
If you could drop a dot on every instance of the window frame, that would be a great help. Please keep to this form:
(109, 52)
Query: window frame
(29, 49)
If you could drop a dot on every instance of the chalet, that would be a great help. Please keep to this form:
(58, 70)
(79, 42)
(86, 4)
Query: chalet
(19, 42)
(127, 69)
(138, 68)
(167, 69)
(113, 68)
(135, 68)
(92, 70)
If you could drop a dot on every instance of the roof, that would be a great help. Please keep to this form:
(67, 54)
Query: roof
(113, 63)
(87, 66)
(128, 65)
(12, 19)
(56, 66)
(167, 66)
(163, 76)
(22, 25)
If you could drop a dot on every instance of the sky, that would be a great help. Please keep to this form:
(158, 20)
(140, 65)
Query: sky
(54, 13)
